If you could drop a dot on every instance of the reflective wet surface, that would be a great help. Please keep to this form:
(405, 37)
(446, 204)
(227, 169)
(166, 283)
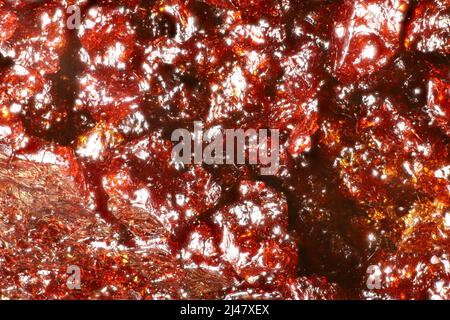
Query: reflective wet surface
(358, 89)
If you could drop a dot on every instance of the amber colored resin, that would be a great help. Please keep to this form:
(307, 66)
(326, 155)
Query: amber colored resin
(359, 91)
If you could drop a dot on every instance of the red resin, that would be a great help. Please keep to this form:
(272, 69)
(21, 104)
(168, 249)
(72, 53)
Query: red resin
(358, 89)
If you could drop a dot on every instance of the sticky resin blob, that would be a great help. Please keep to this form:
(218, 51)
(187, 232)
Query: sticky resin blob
(93, 204)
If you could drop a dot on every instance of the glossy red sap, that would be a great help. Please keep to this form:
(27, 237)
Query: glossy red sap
(358, 89)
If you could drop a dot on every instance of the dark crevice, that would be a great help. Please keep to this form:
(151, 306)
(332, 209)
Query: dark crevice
(5, 62)
(406, 21)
